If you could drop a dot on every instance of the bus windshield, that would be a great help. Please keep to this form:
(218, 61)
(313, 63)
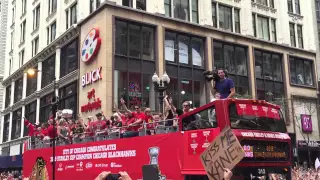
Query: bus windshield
(256, 117)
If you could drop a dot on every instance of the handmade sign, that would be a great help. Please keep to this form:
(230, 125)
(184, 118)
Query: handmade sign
(224, 152)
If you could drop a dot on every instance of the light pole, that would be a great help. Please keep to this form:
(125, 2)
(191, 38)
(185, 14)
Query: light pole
(160, 86)
(54, 107)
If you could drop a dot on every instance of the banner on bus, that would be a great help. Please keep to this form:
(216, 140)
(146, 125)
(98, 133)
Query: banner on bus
(257, 110)
(86, 161)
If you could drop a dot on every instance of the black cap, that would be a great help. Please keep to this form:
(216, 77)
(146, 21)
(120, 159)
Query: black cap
(99, 115)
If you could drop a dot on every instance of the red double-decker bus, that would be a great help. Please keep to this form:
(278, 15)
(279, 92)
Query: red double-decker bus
(259, 126)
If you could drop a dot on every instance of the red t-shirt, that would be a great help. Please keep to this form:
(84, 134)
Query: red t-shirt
(51, 131)
(149, 121)
(137, 116)
(44, 132)
(99, 125)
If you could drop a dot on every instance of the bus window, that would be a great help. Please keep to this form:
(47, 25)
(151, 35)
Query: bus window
(255, 119)
(201, 120)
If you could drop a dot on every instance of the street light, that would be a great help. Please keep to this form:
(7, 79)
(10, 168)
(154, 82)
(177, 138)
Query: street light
(54, 107)
(160, 85)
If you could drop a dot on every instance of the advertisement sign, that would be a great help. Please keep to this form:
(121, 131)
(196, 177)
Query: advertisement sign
(93, 104)
(306, 123)
(86, 161)
(91, 45)
(91, 77)
(224, 152)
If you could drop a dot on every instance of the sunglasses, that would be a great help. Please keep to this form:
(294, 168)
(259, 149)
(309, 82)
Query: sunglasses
(186, 105)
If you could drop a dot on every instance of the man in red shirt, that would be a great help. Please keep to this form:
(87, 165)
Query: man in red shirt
(136, 124)
(99, 126)
(31, 127)
(51, 129)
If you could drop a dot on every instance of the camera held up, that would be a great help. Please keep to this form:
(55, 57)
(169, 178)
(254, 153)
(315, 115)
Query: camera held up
(213, 75)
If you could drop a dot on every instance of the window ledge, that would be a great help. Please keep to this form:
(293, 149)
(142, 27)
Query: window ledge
(295, 17)
(34, 2)
(35, 31)
(303, 86)
(263, 7)
(23, 15)
(12, 25)
(21, 44)
(51, 15)
(11, 52)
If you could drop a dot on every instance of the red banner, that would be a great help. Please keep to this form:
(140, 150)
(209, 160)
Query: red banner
(86, 161)
(257, 110)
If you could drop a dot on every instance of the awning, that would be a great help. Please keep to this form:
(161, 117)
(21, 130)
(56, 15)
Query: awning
(10, 162)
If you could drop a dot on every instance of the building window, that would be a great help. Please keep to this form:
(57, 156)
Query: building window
(48, 71)
(214, 14)
(21, 58)
(52, 6)
(234, 59)
(23, 31)
(6, 124)
(36, 17)
(237, 20)
(91, 8)
(268, 73)
(97, 4)
(300, 36)
(297, 6)
(271, 3)
(8, 96)
(141, 4)
(181, 9)
(317, 4)
(254, 25)
(45, 108)
(12, 41)
(73, 14)
(53, 31)
(301, 71)
(273, 30)
(184, 55)
(195, 10)
(30, 114)
(69, 58)
(23, 6)
(10, 66)
(18, 85)
(262, 27)
(32, 83)
(16, 124)
(225, 18)
(292, 35)
(13, 14)
(67, 19)
(127, 3)
(134, 64)
(68, 98)
(290, 6)
(167, 7)
(35, 46)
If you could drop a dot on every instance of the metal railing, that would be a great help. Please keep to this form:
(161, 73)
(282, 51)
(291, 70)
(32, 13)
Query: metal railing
(145, 129)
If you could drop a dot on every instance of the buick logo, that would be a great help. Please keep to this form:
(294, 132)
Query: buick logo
(89, 165)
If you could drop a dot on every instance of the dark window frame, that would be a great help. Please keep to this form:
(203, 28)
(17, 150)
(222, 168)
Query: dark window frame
(214, 14)
(18, 89)
(226, 65)
(8, 96)
(297, 6)
(73, 9)
(36, 17)
(312, 64)
(273, 31)
(6, 124)
(167, 3)
(65, 67)
(225, 18)
(290, 6)
(196, 10)
(130, 3)
(317, 4)
(91, 7)
(31, 113)
(64, 96)
(268, 80)
(300, 35)
(98, 4)
(16, 124)
(180, 67)
(45, 105)
(47, 77)
(32, 82)
(237, 24)
(143, 4)
(53, 26)
(178, 14)
(292, 35)
(129, 58)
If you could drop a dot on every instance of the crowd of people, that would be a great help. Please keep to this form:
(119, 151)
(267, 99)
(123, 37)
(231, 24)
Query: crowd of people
(124, 124)
(11, 175)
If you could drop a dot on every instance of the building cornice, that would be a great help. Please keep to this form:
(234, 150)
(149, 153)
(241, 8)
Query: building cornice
(71, 33)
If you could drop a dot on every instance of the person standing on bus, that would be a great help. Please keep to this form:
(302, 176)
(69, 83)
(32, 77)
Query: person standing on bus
(224, 88)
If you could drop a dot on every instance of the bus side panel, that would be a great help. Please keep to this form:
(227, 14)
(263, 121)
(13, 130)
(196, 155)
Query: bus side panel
(86, 161)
